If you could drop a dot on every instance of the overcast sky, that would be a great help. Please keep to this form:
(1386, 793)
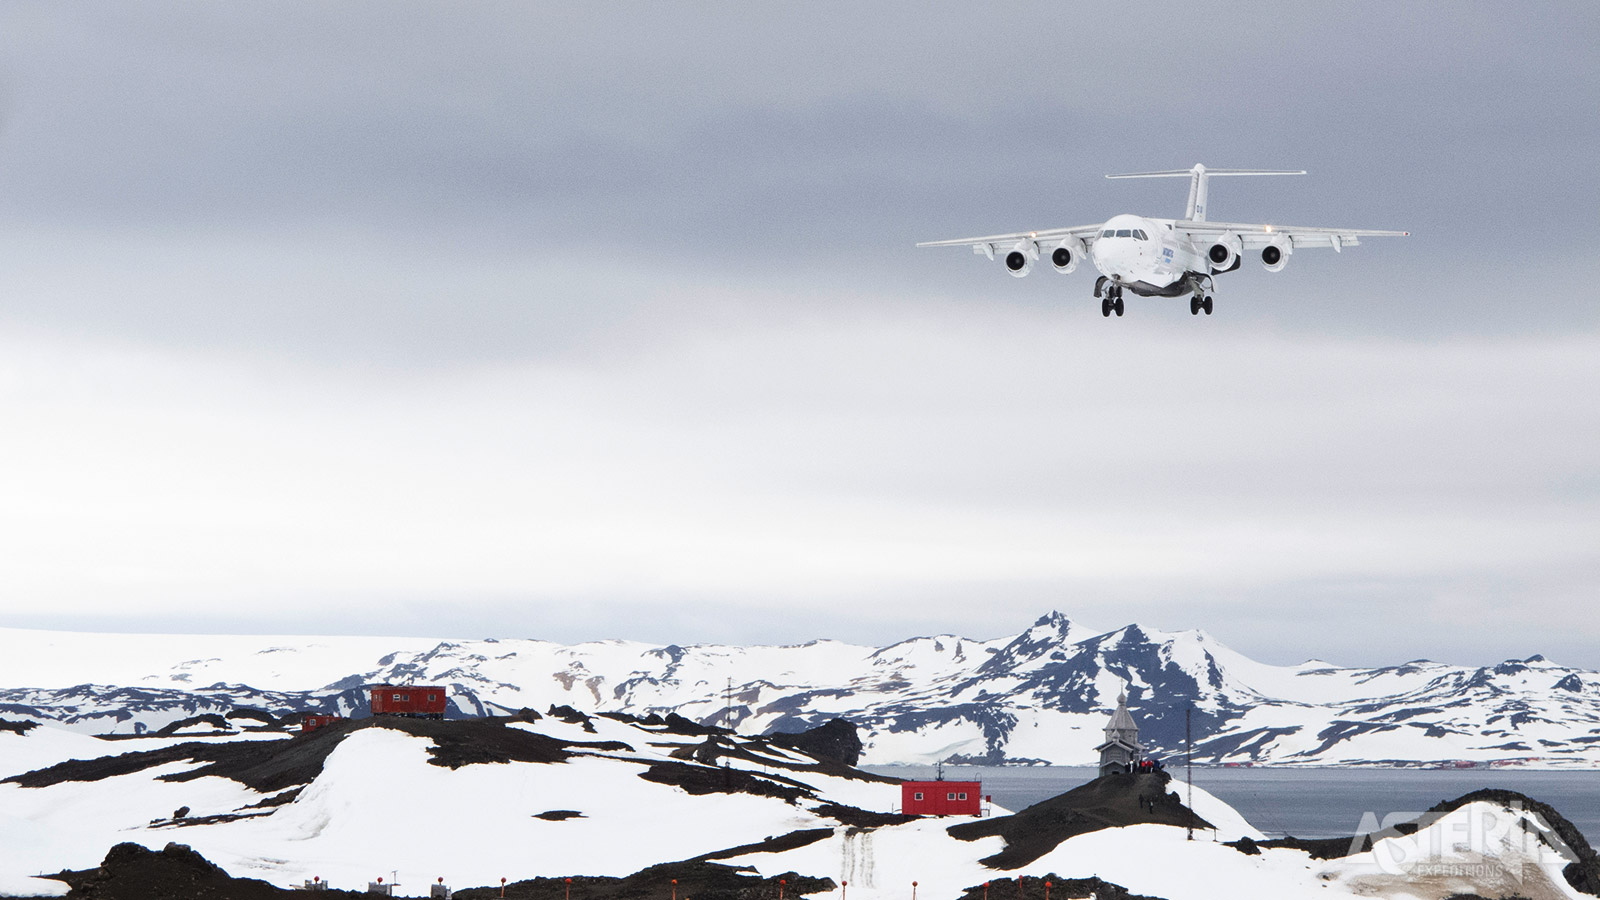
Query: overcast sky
(595, 321)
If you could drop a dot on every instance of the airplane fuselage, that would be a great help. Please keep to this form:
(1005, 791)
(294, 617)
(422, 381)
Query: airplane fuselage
(1147, 256)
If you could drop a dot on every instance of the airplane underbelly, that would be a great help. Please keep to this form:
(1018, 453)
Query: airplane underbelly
(1155, 274)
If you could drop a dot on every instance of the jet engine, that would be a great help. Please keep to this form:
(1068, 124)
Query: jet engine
(1019, 260)
(1224, 254)
(1064, 257)
(1275, 255)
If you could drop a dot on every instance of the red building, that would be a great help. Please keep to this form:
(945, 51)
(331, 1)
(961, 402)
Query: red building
(941, 798)
(409, 700)
(313, 721)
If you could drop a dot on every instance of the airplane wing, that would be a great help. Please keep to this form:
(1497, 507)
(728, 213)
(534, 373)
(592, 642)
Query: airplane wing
(988, 244)
(1254, 237)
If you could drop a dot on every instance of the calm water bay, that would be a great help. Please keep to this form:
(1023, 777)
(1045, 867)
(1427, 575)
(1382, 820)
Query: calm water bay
(1308, 802)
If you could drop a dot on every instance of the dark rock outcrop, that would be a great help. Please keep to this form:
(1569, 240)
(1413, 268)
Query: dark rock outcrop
(835, 740)
(1032, 888)
(133, 872)
(1109, 801)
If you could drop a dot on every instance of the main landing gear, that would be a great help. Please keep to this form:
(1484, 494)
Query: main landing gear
(1110, 297)
(1201, 301)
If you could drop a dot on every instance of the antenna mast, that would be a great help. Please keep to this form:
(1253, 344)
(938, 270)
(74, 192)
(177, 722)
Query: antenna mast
(1188, 763)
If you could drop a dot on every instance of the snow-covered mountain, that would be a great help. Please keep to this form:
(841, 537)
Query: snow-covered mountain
(1040, 696)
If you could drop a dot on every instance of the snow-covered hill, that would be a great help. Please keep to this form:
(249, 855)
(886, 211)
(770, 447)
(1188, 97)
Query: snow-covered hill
(472, 802)
(1041, 696)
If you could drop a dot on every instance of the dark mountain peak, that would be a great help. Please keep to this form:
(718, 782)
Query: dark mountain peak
(1054, 619)
(671, 652)
(1049, 635)
(1132, 633)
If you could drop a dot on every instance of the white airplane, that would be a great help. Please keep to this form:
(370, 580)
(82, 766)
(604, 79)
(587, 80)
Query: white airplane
(1163, 257)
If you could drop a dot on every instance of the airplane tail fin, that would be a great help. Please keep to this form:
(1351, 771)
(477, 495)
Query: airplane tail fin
(1197, 183)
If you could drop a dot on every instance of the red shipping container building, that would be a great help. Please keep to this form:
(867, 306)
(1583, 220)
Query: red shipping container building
(409, 700)
(313, 721)
(941, 798)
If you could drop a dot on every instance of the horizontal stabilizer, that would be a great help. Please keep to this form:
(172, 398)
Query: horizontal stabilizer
(1185, 173)
(1197, 183)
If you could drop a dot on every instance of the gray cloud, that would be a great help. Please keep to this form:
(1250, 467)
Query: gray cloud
(960, 469)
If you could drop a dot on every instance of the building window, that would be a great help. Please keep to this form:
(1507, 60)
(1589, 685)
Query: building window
(917, 796)
(949, 796)
(963, 795)
(395, 697)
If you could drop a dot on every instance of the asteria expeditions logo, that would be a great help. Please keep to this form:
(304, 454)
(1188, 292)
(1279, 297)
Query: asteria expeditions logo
(1480, 842)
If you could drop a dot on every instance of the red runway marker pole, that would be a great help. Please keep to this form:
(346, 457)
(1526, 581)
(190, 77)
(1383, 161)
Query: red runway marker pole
(781, 883)
(502, 886)
(674, 889)
(986, 890)
(914, 891)
(569, 889)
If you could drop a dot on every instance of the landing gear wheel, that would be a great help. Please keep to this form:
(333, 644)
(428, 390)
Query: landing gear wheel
(1206, 305)
(1194, 305)
(1116, 305)
(1105, 307)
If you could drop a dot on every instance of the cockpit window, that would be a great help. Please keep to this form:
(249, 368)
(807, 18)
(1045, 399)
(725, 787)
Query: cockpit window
(1108, 233)
(1139, 233)
(1124, 232)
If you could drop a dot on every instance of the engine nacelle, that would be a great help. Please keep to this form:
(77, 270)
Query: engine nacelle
(1224, 254)
(1275, 255)
(1019, 259)
(1065, 256)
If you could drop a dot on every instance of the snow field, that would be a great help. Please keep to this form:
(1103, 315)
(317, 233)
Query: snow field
(380, 805)
(46, 745)
(881, 864)
(1160, 861)
(1230, 826)
(71, 825)
(58, 659)
(925, 746)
